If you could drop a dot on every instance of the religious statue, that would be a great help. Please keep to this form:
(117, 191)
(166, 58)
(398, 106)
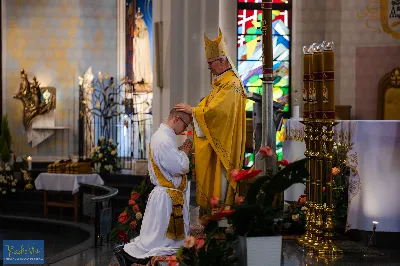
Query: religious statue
(220, 127)
(37, 101)
(142, 69)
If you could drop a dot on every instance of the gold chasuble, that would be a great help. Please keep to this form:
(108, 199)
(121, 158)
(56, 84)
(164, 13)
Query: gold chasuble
(176, 227)
(221, 116)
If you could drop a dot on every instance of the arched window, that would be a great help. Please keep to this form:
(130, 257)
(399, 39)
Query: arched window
(250, 52)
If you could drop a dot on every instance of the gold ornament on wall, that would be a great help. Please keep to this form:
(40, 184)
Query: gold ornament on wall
(382, 16)
(35, 99)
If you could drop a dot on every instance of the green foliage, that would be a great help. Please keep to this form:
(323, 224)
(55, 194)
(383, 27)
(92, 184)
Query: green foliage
(139, 197)
(256, 216)
(214, 251)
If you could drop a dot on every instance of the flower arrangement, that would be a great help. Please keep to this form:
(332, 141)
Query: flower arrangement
(294, 217)
(251, 215)
(259, 209)
(130, 220)
(217, 248)
(8, 183)
(105, 156)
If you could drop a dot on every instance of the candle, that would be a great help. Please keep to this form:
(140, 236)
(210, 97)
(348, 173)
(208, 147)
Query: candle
(29, 159)
(318, 68)
(329, 81)
(306, 81)
(311, 90)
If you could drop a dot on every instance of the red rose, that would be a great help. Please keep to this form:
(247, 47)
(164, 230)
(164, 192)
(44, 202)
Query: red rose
(123, 236)
(123, 217)
(135, 208)
(133, 224)
(135, 196)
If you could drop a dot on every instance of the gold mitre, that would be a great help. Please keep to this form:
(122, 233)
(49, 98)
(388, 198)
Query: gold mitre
(215, 48)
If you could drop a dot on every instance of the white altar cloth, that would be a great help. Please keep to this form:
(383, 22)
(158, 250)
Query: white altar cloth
(65, 182)
(375, 176)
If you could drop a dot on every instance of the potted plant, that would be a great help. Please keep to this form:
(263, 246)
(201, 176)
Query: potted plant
(255, 220)
(105, 156)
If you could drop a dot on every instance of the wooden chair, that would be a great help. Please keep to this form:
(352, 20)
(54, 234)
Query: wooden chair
(389, 96)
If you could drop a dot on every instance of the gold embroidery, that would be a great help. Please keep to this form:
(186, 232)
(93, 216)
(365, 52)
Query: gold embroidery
(176, 228)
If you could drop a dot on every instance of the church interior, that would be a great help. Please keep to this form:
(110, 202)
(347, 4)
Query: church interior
(86, 83)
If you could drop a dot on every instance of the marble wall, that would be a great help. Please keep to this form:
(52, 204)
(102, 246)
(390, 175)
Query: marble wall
(351, 25)
(56, 41)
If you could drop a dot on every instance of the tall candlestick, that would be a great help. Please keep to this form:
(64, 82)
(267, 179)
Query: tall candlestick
(329, 81)
(306, 81)
(318, 74)
(312, 98)
(29, 159)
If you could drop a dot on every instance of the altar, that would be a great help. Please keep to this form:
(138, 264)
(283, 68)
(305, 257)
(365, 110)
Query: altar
(374, 180)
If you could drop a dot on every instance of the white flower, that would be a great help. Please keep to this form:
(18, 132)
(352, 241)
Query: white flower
(111, 140)
(8, 168)
(113, 152)
(304, 208)
(101, 138)
(100, 155)
(139, 215)
(4, 192)
(13, 190)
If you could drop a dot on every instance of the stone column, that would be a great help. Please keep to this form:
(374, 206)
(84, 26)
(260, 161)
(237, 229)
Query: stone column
(228, 25)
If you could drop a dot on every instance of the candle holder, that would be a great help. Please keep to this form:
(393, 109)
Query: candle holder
(304, 239)
(319, 102)
(327, 247)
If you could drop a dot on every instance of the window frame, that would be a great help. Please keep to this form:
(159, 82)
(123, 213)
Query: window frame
(275, 6)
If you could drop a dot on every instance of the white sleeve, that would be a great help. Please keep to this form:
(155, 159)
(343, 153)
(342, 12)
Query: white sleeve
(199, 133)
(173, 160)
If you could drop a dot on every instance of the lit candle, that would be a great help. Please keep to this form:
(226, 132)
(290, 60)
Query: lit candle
(318, 73)
(329, 81)
(306, 80)
(29, 159)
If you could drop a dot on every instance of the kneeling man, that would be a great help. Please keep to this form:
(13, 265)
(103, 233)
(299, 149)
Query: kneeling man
(166, 219)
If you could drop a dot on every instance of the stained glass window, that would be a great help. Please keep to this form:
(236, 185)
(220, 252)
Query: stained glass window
(250, 52)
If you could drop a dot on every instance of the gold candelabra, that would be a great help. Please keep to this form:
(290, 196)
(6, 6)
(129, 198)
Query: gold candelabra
(319, 120)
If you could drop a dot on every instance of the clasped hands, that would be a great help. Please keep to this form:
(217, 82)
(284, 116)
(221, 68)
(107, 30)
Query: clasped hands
(186, 146)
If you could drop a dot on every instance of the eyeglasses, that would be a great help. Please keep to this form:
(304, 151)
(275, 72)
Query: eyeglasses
(183, 121)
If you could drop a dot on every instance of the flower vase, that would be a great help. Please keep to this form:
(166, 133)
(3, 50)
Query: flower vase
(264, 250)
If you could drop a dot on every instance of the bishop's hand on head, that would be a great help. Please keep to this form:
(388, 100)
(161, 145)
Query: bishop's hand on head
(183, 107)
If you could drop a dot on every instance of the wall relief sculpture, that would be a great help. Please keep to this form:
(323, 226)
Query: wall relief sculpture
(35, 99)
